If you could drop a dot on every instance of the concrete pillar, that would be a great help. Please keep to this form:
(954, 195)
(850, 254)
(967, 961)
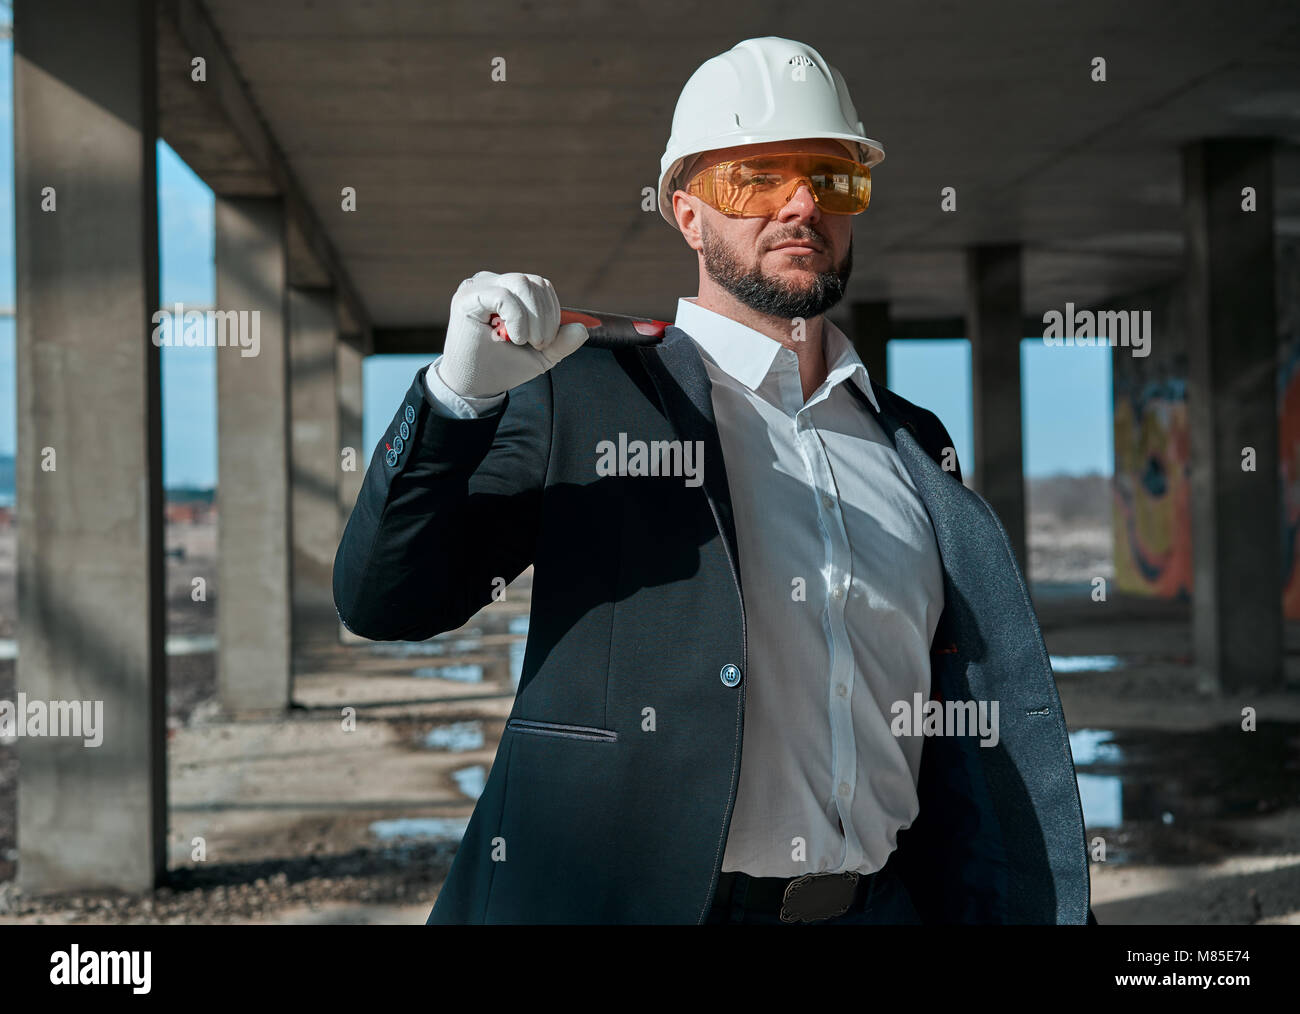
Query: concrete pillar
(253, 516)
(352, 457)
(351, 467)
(1232, 406)
(993, 325)
(314, 455)
(89, 482)
(870, 336)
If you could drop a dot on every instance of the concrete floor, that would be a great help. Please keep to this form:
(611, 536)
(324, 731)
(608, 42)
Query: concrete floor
(1201, 820)
(305, 819)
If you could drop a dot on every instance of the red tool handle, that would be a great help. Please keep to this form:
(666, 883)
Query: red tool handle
(605, 330)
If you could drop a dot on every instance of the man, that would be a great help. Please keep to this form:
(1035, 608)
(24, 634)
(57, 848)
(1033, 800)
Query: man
(736, 627)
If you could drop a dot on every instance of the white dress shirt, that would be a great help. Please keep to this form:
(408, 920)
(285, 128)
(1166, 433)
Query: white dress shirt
(842, 590)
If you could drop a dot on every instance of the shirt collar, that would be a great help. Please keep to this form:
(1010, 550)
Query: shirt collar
(747, 355)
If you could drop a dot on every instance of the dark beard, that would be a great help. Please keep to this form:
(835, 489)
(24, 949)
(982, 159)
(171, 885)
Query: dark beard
(767, 296)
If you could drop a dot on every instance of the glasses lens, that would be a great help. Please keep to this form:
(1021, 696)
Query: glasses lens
(761, 186)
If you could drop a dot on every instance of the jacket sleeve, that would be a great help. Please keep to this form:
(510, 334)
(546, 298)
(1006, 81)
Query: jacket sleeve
(446, 514)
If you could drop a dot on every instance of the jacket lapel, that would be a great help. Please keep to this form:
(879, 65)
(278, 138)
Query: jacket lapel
(685, 391)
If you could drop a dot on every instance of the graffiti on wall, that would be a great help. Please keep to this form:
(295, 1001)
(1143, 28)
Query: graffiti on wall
(1152, 530)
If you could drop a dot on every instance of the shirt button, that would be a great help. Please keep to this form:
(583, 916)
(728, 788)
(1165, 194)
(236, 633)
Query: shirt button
(841, 689)
(827, 502)
(844, 788)
(837, 592)
(730, 675)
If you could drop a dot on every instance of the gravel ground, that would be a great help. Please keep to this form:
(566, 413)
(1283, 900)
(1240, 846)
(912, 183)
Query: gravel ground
(398, 874)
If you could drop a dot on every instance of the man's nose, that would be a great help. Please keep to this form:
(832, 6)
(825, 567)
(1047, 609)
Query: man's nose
(800, 205)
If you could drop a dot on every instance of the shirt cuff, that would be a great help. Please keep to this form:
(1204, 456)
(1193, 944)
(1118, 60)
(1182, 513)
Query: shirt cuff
(447, 403)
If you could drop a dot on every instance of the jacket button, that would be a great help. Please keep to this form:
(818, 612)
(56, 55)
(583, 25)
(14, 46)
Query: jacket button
(410, 414)
(398, 444)
(404, 430)
(391, 457)
(730, 675)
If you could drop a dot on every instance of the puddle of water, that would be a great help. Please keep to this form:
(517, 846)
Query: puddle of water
(1092, 746)
(1101, 796)
(1169, 797)
(471, 781)
(191, 644)
(429, 828)
(456, 737)
(175, 644)
(459, 673)
(1102, 799)
(468, 640)
(406, 649)
(1085, 663)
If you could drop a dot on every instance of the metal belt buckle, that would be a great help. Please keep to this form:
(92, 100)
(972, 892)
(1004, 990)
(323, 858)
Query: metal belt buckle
(818, 896)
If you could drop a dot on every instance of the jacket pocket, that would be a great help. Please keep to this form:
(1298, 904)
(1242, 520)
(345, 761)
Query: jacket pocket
(562, 731)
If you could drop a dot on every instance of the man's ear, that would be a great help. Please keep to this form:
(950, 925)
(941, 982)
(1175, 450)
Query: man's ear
(687, 214)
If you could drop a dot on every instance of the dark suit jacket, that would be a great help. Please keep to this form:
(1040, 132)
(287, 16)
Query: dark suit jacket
(585, 817)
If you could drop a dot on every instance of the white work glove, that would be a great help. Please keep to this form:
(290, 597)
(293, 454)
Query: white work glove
(477, 364)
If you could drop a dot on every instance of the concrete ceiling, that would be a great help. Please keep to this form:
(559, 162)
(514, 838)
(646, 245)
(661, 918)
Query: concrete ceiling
(544, 172)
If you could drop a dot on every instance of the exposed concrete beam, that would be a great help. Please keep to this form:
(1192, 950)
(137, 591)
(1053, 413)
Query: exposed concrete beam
(408, 340)
(949, 327)
(261, 168)
(428, 340)
(192, 122)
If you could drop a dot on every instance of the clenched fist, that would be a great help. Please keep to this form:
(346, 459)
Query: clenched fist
(477, 364)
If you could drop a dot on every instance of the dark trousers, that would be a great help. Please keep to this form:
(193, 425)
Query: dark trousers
(885, 903)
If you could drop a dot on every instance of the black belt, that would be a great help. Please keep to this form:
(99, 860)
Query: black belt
(796, 899)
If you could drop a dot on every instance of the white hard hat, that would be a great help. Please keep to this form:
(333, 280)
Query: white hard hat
(767, 89)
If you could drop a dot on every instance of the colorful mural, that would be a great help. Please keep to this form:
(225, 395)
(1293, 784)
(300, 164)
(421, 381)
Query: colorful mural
(1153, 532)
(1152, 529)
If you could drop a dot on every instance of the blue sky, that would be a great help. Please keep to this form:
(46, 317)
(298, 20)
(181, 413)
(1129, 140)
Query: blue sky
(1066, 406)
(1065, 400)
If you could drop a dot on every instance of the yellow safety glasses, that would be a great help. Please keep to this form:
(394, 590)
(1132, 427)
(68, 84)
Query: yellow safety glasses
(763, 184)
